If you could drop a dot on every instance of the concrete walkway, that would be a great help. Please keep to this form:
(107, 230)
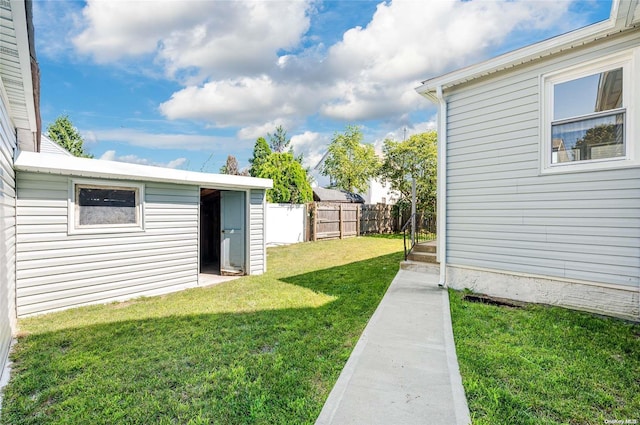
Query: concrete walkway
(404, 369)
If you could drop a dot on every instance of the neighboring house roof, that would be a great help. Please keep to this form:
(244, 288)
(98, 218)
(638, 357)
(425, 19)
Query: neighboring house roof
(321, 194)
(98, 168)
(49, 146)
(625, 14)
(19, 70)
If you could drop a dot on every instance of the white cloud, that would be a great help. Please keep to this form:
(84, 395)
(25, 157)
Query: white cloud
(176, 163)
(163, 140)
(241, 101)
(111, 155)
(55, 21)
(406, 41)
(208, 38)
(311, 145)
(241, 65)
(261, 130)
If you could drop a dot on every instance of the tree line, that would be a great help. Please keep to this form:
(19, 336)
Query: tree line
(349, 163)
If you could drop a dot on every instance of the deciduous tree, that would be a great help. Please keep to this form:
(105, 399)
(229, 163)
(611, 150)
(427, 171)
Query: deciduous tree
(290, 184)
(349, 163)
(415, 157)
(231, 167)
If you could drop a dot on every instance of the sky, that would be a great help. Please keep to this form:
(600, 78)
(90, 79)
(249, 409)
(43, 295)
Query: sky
(185, 83)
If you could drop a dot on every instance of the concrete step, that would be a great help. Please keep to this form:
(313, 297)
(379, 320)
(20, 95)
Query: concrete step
(423, 257)
(416, 266)
(425, 247)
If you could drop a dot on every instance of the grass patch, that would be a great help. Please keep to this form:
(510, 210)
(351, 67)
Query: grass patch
(261, 349)
(545, 365)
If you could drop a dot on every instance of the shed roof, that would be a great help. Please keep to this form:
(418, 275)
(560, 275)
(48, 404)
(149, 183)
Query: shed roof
(625, 14)
(98, 168)
(322, 194)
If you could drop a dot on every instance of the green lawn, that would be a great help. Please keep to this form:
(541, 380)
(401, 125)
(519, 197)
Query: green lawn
(261, 349)
(546, 365)
(268, 349)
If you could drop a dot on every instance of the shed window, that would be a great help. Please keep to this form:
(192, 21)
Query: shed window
(106, 206)
(588, 113)
(100, 208)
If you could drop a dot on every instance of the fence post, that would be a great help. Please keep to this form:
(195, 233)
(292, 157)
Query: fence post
(358, 209)
(340, 221)
(314, 219)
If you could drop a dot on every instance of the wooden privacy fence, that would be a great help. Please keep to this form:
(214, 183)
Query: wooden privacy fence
(333, 220)
(377, 218)
(342, 220)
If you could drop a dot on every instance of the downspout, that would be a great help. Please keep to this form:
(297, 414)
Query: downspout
(442, 186)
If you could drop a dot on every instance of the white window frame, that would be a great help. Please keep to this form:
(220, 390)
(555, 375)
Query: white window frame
(74, 228)
(629, 61)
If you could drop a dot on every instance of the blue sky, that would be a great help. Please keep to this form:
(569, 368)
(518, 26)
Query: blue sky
(185, 83)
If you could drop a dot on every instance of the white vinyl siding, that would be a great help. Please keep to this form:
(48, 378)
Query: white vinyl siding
(7, 232)
(503, 214)
(56, 270)
(49, 146)
(257, 261)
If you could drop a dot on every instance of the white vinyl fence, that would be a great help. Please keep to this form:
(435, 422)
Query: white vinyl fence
(286, 223)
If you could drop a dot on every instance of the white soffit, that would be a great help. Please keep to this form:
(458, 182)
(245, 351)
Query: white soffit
(97, 168)
(15, 65)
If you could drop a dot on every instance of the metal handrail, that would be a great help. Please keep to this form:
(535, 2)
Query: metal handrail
(419, 234)
(407, 226)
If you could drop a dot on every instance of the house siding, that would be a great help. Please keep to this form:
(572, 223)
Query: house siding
(257, 260)
(502, 214)
(7, 232)
(56, 270)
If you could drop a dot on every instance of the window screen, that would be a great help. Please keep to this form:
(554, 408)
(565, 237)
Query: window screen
(96, 206)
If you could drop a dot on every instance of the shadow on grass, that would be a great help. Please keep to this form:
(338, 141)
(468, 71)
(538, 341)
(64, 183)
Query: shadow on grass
(274, 366)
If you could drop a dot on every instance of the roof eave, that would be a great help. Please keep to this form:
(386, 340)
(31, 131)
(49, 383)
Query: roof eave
(97, 168)
(20, 23)
(526, 54)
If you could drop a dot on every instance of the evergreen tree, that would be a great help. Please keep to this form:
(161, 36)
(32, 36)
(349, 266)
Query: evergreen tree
(261, 151)
(66, 135)
(278, 141)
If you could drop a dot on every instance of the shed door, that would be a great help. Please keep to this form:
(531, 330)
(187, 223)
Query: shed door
(232, 228)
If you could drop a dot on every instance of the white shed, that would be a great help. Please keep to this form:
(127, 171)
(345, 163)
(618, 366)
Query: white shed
(91, 231)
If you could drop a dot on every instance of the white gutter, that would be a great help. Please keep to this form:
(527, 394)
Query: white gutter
(442, 186)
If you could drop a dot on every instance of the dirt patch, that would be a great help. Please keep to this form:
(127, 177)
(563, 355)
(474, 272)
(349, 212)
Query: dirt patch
(122, 304)
(486, 299)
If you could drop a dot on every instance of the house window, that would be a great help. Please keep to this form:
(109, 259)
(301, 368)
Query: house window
(587, 119)
(98, 207)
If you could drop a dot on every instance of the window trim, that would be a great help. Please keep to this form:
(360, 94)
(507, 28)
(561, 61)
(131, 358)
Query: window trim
(628, 61)
(74, 228)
